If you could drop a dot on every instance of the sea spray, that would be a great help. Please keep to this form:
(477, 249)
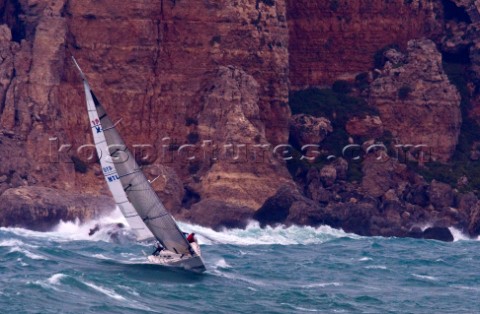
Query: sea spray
(279, 269)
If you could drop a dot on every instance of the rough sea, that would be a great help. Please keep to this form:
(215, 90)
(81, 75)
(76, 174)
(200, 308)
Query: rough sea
(274, 270)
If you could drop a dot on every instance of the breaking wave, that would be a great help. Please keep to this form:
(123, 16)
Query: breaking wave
(252, 235)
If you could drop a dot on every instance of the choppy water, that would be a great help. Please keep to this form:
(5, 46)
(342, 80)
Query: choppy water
(254, 270)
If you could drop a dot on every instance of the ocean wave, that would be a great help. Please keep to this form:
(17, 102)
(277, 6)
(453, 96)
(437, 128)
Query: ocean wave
(323, 285)
(459, 235)
(76, 230)
(300, 308)
(221, 263)
(237, 277)
(254, 235)
(16, 243)
(27, 253)
(51, 283)
(56, 278)
(383, 267)
(251, 235)
(108, 292)
(425, 277)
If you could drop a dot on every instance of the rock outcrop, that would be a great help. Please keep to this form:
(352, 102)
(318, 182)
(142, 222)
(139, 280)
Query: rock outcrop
(417, 102)
(40, 208)
(368, 127)
(306, 129)
(151, 64)
(199, 89)
(324, 35)
(236, 165)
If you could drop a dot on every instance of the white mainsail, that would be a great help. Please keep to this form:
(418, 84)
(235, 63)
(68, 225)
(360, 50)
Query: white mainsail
(110, 173)
(130, 188)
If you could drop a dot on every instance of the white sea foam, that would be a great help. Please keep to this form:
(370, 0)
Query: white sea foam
(431, 278)
(56, 278)
(458, 235)
(108, 292)
(469, 288)
(11, 242)
(221, 263)
(22, 263)
(299, 308)
(100, 256)
(323, 284)
(129, 290)
(16, 243)
(75, 230)
(376, 267)
(27, 253)
(364, 259)
(237, 277)
(254, 235)
(50, 283)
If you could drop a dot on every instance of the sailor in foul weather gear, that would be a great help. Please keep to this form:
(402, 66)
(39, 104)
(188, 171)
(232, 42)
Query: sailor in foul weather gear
(191, 238)
(158, 249)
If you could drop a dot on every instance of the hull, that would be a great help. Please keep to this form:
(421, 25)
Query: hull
(188, 262)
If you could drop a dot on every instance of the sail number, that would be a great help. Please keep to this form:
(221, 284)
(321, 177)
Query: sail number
(107, 169)
(96, 124)
(112, 178)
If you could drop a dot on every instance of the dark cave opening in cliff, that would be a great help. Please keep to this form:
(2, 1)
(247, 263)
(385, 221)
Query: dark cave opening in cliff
(10, 13)
(462, 56)
(454, 12)
(191, 197)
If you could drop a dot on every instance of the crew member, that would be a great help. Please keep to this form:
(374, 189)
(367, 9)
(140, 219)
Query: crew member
(191, 238)
(158, 249)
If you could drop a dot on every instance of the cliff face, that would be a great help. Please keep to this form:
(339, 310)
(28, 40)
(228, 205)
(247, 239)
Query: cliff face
(149, 64)
(417, 102)
(200, 92)
(331, 40)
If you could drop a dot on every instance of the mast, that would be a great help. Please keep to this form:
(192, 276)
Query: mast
(130, 188)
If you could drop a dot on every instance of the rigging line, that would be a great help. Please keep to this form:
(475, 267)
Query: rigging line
(130, 173)
(114, 125)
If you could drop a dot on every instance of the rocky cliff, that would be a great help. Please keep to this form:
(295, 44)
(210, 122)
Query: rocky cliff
(204, 91)
(334, 39)
(417, 101)
(164, 64)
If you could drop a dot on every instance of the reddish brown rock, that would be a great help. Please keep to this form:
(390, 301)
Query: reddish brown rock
(306, 129)
(236, 164)
(40, 208)
(417, 102)
(149, 64)
(324, 35)
(369, 126)
(218, 215)
(474, 225)
(381, 175)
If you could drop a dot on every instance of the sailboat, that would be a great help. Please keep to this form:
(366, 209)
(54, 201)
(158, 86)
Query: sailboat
(134, 194)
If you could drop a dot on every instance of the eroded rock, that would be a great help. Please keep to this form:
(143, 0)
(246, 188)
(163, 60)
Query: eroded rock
(417, 102)
(40, 208)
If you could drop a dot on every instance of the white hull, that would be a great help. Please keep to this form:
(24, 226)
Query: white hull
(188, 262)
